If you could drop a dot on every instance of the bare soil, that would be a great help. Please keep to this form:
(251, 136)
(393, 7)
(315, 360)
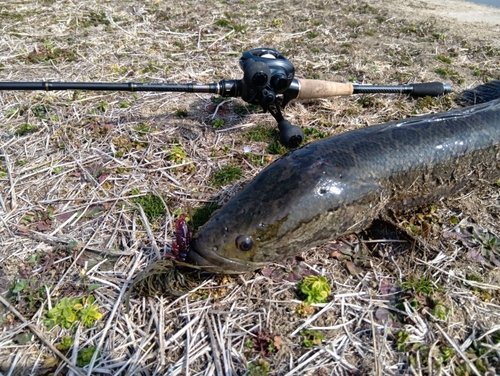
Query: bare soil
(420, 297)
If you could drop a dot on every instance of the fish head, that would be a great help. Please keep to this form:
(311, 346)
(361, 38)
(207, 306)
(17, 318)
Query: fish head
(237, 239)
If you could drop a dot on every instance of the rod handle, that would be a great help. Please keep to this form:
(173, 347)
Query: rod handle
(432, 89)
(311, 89)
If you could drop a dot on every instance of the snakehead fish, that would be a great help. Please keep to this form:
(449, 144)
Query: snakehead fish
(339, 185)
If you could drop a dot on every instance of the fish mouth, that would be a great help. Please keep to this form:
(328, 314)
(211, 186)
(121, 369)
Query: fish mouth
(213, 262)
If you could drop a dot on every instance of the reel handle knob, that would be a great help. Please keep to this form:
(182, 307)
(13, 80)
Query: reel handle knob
(291, 135)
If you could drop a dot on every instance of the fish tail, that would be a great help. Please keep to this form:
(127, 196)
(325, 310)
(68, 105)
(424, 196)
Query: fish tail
(481, 94)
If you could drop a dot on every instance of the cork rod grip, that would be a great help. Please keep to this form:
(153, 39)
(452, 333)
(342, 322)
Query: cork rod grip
(310, 89)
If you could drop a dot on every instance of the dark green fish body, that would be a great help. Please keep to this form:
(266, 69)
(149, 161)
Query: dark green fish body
(336, 186)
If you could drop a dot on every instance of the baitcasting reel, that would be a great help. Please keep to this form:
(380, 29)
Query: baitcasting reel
(267, 74)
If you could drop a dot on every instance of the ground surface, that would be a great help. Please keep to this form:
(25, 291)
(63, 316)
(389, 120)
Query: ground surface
(76, 167)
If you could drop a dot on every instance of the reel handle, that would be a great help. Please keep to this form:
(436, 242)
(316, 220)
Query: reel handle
(290, 135)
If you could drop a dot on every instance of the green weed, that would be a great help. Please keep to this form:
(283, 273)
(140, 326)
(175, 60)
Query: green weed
(178, 156)
(311, 338)
(94, 19)
(402, 338)
(218, 123)
(226, 175)
(181, 113)
(69, 311)
(427, 103)
(179, 45)
(25, 129)
(315, 289)
(218, 99)
(239, 28)
(492, 51)
(276, 147)
(29, 290)
(41, 111)
(151, 204)
(256, 159)
(261, 133)
(222, 23)
(258, 368)
(202, 214)
(444, 59)
(85, 356)
(424, 296)
(142, 129)
(447, 73)
(102, 106)
(65, 344)
(245, 109)
(46, 52)
(277, 23)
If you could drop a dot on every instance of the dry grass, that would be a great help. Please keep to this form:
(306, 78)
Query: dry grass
(70, 182)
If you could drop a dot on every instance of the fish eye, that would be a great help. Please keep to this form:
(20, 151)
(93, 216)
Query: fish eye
(244, 243)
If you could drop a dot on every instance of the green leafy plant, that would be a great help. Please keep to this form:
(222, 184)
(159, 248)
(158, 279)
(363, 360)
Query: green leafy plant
(218, 99)
(315, 289)
(25, 129)
(47, 52)
(311, 338)
(151, 204)
(245, 109)
(23, 338)
(89, 314)
(68, 311)
(258, 368)
(85, 356)
(142, 129)
(64, 313)
(261, 133)
(41, 111)
(226, 175)
(177, 154)
(102, 106)
(419, 285)
(444, 59)
(275, 147)
(402, 338)
(65, 344)
(425, 297)
(218, 123)
(30, 290)
(202, 214)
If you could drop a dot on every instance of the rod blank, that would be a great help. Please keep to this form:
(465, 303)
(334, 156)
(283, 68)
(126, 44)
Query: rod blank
(104, 86)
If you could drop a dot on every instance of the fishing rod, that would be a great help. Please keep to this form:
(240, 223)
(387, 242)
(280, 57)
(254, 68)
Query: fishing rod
(268, 80)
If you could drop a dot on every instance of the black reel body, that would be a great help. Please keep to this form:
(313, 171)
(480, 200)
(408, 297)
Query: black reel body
(265, 67)
(266, 75)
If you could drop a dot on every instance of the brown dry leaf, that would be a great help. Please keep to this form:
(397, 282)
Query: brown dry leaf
(50, 362)
(278, 341)
(353, 269)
